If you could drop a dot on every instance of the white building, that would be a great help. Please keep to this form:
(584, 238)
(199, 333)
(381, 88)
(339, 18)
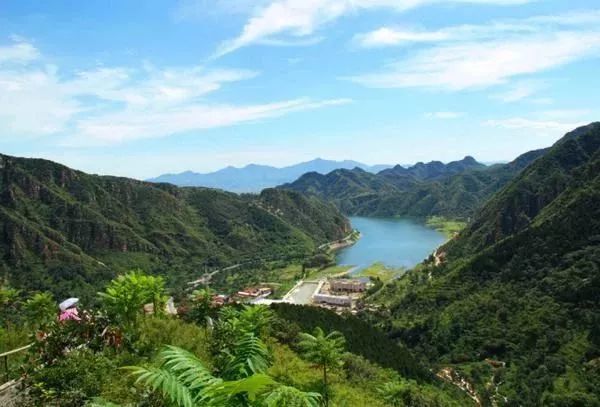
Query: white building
(342, 300)
(347, 284)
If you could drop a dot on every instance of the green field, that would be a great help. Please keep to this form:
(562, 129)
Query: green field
(447, 226)
(381, 271)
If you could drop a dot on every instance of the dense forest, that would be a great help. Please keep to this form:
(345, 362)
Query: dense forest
(454, 190)
(67, 231)
(515, 306)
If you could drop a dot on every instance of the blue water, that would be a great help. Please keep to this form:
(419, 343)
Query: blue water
(394, 242)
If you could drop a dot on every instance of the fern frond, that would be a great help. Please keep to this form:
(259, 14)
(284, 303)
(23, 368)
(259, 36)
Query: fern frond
(165, 382)
(287, 396)
(252, 386)
(251, 356)
(189, 369)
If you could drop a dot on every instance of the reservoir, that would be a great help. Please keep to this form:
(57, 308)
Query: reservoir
(395, 242)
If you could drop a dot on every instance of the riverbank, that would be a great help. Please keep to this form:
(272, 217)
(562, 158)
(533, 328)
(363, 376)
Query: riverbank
(380, 271)
(332, 247)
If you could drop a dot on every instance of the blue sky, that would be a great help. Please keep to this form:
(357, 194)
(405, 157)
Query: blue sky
(140, 88)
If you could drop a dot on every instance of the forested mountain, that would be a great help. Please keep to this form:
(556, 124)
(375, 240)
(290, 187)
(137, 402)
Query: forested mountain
(453, 190)
(515, 307)
(432, 169)
(254, 178)
(63, 229)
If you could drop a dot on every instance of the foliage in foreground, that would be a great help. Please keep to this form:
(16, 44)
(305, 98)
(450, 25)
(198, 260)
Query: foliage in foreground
(244, 356)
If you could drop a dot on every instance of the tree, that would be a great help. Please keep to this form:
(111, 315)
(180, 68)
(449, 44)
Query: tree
(234, 324)
(40, 310)
(9, 304)
(126, 295)
(256, 319)
(201, 301)
(325, 351)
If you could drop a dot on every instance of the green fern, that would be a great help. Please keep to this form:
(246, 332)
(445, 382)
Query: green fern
(286, 396)
(251, 357)
(164, 382)
(186, 382)
(188, 368)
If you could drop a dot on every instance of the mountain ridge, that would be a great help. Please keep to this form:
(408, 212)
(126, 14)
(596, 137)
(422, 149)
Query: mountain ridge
(255, 177)
(452, 190)
(63, 228)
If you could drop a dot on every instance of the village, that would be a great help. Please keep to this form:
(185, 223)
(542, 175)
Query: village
(335, 293)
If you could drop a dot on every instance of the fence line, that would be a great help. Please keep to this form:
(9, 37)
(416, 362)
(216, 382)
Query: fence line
(5, 356)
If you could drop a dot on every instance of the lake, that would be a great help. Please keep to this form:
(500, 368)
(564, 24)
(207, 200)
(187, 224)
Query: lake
(392, 241)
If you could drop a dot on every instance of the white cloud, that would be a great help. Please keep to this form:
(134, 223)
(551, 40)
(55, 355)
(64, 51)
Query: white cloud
(478, 56)
(553, 123)
(444, 115)
(550, 126)
(18, 52)
(157, 86)
(519, 91)
(33, 102)
(115, 104)
(472, 64)
(138, 124)
(299, 18)
(397, 36)
(386, 36)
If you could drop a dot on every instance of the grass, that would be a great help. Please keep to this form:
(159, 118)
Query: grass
(446, 226)
(381, 271)
(327, 272)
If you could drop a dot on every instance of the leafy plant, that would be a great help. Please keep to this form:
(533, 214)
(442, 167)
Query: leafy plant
(185, 381)
(126, 295)
(40, 310)
(325, 351)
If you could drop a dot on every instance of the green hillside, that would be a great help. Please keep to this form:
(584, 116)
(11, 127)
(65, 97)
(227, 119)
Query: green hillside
(65, 230)
(520, 287)
(453, 190)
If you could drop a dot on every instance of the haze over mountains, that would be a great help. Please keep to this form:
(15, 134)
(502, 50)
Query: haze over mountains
(255, 177)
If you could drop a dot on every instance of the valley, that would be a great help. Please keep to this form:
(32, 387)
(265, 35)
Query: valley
(299, 203)
(440, 290)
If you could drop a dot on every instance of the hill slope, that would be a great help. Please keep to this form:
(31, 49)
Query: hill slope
(254, 178)
(520, 286)
(63, 228)
(453, 190)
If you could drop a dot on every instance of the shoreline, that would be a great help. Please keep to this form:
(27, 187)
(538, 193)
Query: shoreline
(347, 241)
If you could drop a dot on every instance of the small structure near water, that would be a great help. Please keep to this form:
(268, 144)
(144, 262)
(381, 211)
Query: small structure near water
(347, 284)
(339, 300)
(253, 292)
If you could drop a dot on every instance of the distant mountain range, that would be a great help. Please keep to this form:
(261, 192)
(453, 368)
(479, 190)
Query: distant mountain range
(254, 177)
(454, 190)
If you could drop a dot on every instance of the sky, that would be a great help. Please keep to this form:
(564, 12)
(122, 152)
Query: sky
(141, 88)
